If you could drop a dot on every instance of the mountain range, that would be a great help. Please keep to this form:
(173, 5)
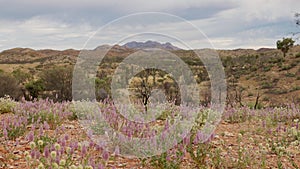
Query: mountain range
(150, 44)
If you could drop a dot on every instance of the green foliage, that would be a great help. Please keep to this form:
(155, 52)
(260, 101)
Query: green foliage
(251, 105)
(290, 75)
(266, 85)
(13, 127)
(267, 68)
(35, 87)
(21, 76)
(7, 105)
(15, 131)
(58, 80)
(51, 118)
(298, 55)
(46, 140)
(284, 45)
(237, 117)
(200, 154)
(102, 86)
(9, 86)
(276, 60)
(286, 67)
(277, 91)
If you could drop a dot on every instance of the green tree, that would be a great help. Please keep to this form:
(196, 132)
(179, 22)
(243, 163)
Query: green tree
(102, 88)
(285, 44)
(34, 88)
(9, 86)
(58, 82)
(21, 76)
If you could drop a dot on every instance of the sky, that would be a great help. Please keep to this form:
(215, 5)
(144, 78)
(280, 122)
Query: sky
(77, 24)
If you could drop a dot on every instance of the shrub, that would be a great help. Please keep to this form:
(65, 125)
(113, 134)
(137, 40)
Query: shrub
(9, 86)
(290, 75)
(267, 68)
(13, 127)
(34, 88)
(286, 67)
(44, 110)
(266, 85)
(6, 104)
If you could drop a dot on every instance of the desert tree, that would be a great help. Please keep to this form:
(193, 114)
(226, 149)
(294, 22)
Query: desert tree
(102, 86)
(34, 87)
(58, 81)
(21, 76)
(144, 87)
(285, 44)
(256, 105)
(152, 79)
(9, 86)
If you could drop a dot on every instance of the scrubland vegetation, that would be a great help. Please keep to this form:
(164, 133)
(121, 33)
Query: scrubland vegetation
(40, 128)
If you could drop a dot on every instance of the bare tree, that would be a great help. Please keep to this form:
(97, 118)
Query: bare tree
(144, 90)
(257, 100)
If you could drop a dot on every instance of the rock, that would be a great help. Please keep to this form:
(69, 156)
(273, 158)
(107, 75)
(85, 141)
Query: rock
(215, 142)
(22, 142)
(69, 126)
(223, 154)
(227, 134)
(1, 158)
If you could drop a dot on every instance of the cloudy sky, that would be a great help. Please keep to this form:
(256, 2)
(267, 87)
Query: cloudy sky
(63, 24)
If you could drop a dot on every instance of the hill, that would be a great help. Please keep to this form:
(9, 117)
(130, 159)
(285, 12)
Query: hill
(249, 72)
(150, 44)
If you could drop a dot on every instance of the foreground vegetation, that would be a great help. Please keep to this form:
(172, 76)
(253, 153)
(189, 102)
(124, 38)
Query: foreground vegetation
(44, 134)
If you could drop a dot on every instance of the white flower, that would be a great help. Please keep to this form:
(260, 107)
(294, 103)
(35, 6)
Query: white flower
(54, 165)
(40, 142)
(53, 154)
(251, 139)
(41, 166)
(32, 145)
(62, 162)
(57, 146)
(73, 167)
(28, 157)
(68, 150)
(88, 167)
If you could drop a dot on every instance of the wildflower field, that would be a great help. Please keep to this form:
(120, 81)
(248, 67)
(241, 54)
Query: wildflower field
(44, 134)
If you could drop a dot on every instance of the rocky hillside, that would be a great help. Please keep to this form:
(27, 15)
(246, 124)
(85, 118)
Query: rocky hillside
(250, 73)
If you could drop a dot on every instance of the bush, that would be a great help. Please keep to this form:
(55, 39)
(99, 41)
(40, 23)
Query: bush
(286, 67)
(6, 105)
(53, 113)
(9, 86)
(58, 80)
(298, 55)
(267, 68)
(34, 88)
(290, 75)
(266, 85)
(10, 130)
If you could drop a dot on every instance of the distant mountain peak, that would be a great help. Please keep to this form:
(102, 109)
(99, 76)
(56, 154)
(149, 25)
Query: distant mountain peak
(150, 44)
